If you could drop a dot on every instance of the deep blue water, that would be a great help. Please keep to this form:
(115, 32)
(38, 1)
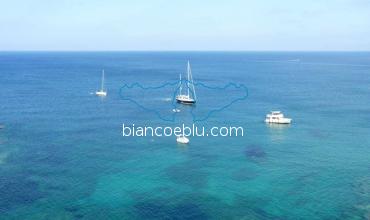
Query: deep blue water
(62, 154)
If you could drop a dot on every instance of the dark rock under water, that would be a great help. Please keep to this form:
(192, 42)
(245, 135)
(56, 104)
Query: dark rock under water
(16, 191)
(255, 151)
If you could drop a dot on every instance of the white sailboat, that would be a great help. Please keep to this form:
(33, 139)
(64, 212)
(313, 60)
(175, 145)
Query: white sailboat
(101, 92)
(186, 98)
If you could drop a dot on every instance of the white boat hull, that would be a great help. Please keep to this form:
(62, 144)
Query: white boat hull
(279, 121)
(182, 140)
(184, 99)
(276, 117)
(101, 93)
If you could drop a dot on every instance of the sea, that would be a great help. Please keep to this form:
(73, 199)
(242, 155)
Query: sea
(63, 154)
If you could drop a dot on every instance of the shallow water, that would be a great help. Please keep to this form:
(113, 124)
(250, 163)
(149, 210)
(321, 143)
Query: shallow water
(62, 154)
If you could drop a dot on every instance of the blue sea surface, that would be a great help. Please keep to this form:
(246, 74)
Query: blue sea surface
(63, 156)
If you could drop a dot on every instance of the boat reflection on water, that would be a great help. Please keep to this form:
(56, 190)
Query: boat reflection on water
(277, 126)
(277, 131)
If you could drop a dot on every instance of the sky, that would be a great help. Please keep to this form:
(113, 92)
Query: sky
(195, 25)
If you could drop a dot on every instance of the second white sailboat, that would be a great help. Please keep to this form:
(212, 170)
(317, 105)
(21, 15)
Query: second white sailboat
(101, 92)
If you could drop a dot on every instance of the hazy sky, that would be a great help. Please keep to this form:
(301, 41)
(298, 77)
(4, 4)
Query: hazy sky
(185, 25)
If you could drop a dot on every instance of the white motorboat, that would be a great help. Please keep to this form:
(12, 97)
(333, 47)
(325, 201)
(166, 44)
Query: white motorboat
(190, 97)
(277, 117)
(101, 92)
(182, 139)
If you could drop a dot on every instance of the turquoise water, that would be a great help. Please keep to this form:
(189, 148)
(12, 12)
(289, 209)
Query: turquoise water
(62, 154)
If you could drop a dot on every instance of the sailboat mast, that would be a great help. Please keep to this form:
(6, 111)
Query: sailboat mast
(188, 78)
(102, 82)
(180, 84)
(191, 82)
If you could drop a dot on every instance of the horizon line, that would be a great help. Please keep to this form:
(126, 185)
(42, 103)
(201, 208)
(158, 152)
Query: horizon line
(1, 51)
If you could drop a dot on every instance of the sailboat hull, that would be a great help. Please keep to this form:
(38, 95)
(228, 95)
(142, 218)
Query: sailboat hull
(184, 99)
(186, 102)
(101, 93)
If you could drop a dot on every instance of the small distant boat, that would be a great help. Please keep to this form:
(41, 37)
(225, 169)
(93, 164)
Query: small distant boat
(176, 110)
(182, 139)
(186, 98)
(276, 117)
(101, 92)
